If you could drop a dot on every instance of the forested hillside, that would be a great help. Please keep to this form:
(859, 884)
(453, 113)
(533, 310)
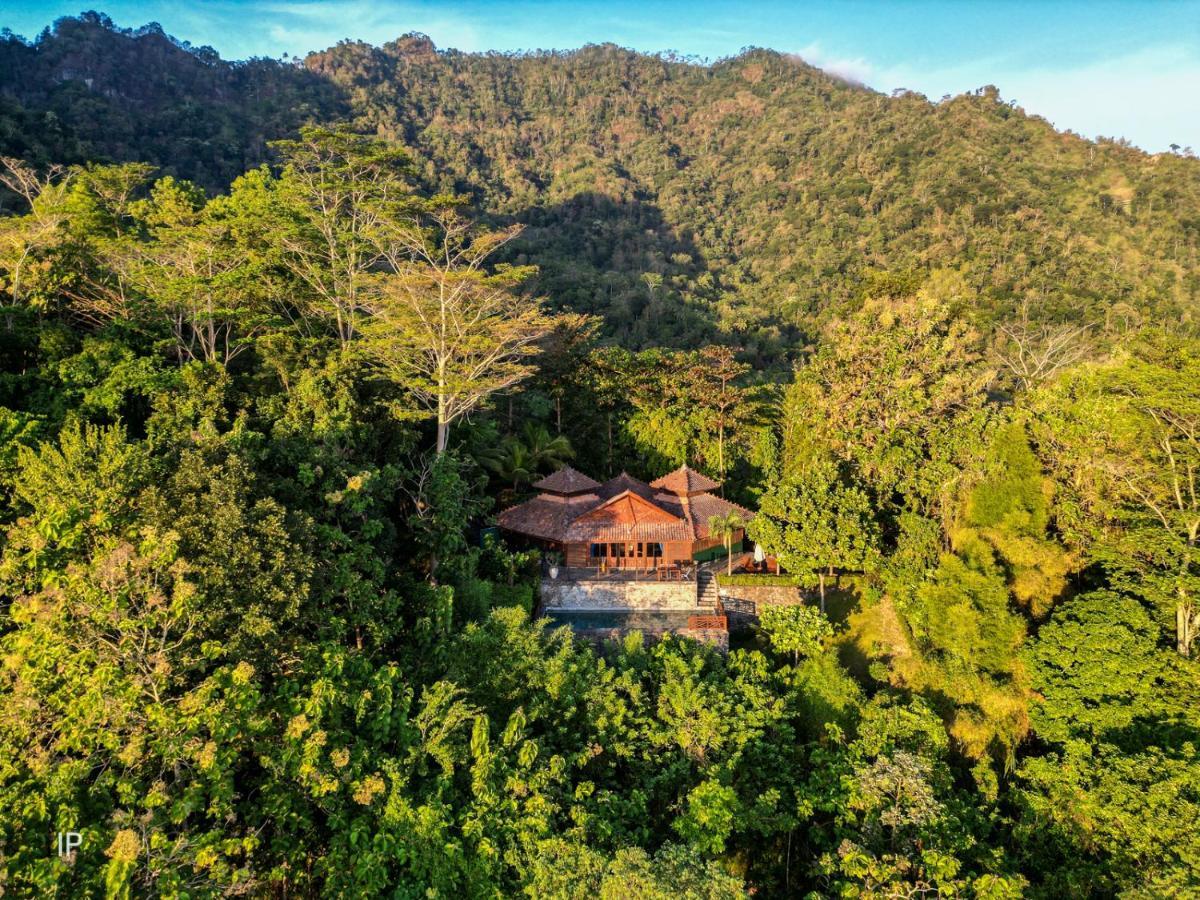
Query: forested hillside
(265, 384)
(678, 201)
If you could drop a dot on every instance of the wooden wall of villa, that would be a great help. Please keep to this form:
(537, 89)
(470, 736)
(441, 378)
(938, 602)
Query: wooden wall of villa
(623, 524)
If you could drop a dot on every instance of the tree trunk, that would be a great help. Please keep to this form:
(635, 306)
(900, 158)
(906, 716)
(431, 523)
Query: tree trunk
(821, 582)
(443, 425)
(1185, 627)
(443, 434)
(721, 457)
(610, 460)
(729, 555)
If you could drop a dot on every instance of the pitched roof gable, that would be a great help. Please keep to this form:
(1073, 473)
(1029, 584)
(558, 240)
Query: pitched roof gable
(628, 507)
(625, 482)
(628, 516)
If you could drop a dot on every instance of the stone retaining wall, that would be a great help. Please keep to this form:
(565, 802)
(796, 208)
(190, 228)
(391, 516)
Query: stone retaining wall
(618, 594)
(744, 602)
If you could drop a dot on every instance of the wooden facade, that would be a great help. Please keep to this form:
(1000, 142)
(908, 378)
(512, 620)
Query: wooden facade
(623, 523)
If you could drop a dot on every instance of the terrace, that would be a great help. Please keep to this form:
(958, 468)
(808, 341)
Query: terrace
(683, 572)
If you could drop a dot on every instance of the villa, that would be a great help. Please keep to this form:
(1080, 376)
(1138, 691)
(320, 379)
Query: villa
(629, 554)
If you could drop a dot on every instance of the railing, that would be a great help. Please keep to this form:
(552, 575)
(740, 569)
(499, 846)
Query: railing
(707, 623)
(615, 573)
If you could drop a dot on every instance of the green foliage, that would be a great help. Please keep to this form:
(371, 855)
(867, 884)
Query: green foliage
(257, 638)
(749, 580)
(817, 521)
(1101, 820)
(1099, 673)
(1131, 425)
(798, 630)
(1010, 509)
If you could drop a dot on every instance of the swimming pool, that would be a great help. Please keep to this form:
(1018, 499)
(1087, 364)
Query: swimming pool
(647, 620)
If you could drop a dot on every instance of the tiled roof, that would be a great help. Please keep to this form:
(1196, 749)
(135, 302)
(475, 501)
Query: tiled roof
(702, 507)
(625, 482)
(546, 516)
(628, 516)
(566, 481)
(621, 509)
(641, 531)
(685, 481)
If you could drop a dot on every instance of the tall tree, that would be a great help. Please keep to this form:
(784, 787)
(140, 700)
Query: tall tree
(445, 326)
(23, 238)
(1124, 441)
(196, 275)
(815, 521)
(719, 399)
(342, 194)
(886, 388)
(565, 351)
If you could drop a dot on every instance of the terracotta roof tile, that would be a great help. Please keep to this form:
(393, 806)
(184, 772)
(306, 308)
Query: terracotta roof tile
(546, 516)
(705, 506)
(625, 482)
(566, 481)
(570, 511)
(685, 481)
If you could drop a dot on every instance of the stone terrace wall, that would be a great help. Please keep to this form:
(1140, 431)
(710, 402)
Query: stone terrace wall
(618, 594)
(743, 603)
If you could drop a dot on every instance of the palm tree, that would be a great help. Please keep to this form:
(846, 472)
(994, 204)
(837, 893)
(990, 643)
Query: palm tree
(546, 452)
(519, 460)
(725, 527)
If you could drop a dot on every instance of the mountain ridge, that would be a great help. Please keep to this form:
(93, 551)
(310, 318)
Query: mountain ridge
(751, 197)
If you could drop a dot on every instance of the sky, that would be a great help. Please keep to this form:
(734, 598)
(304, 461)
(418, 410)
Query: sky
(1115, 68)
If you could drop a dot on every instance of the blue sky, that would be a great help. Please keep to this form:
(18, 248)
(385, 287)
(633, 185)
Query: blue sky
(1120, 69)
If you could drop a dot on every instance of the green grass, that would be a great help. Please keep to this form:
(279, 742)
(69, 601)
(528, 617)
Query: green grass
(745, 580)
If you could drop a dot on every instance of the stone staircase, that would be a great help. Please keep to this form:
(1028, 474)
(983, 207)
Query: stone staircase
(707, 594)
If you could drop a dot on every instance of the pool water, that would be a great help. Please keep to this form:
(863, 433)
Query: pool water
(651, 620)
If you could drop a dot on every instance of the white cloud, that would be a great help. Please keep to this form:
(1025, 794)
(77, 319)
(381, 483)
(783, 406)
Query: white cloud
(853, 69)
(1149, 96)
(301, 26)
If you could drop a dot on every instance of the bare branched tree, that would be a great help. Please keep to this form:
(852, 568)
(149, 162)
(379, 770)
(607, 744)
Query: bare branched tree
(21, 238)
(447, 327)
(1035, 353)
(345, 191)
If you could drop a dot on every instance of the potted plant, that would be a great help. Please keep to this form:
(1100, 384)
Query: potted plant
(553, 558)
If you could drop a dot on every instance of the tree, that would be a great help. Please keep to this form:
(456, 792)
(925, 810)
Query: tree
(883, 391)
(1097, 671)
(1036, 353)
(23, 238)
(198, 277)
(447, 329)
(799, 630)
(725, 526)
(1008, 502)
(564, 353)
(716, 396)
(342, 195)
(521, 458)
(814, 520)
(1123, 439)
